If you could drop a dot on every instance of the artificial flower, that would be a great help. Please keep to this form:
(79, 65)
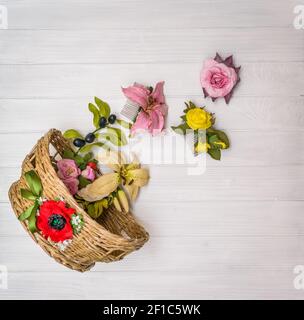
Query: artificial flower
(220, 144)
(88, 173)
(198, 118)
(72, 184)
(54, 220)
(67, 168)
(68, 173)
(195, 120)
(202, 147)
(93, 165)
(153, 108)
(219, 77)
(100, 188)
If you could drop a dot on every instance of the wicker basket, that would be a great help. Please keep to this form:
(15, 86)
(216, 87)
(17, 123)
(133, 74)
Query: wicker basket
(109, 238)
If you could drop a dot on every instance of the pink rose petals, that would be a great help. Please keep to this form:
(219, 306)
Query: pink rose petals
(219, 78)
(88, 173)
(68, 172)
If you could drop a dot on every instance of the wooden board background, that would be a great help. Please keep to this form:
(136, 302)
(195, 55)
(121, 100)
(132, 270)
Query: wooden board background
(235, 232)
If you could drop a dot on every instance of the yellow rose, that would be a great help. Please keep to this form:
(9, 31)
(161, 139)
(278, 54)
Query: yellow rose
(202, 147)
(198, 118)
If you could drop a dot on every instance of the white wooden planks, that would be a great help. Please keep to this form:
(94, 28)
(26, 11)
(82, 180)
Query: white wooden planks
(234, 232)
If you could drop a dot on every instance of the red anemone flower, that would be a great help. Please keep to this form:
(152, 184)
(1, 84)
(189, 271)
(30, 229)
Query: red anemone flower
(54, 220)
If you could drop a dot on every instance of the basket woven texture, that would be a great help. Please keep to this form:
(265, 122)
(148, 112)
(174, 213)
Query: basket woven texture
(109, 238)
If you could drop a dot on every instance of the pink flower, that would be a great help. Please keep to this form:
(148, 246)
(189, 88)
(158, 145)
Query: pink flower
(71, 184)
(153, 107)
(67, 168)
(219, 77)
(68, 173)
(88, 173)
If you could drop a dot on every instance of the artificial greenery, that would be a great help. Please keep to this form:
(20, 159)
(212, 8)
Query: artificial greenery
(197, 120)
(105, 132)
(34, 193)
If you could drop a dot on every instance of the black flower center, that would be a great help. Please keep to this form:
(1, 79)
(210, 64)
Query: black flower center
(56, 221)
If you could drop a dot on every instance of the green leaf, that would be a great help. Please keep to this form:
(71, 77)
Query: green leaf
(192, 105)
(72, 134)
(79, 160)
(94, 210)
(89, 147)
(120, 134)
(26, 214)
(88, 157)
(33, 182)
(104, 108)
(223, 137)
(115, 136)
(181, 129)
(184, 118)
(68, 154)
(27, 194)
(83, 182)
(30, 214)
(82, 166)
(215, 153)
(213, 139)
(124, 124)
(32, 220)
(96, 116)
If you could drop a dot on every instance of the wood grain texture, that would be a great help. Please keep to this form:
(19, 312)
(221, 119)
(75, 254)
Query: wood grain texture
(245, 113)
(138, 14)
(145, 46)
(236, 231)
(86, 80)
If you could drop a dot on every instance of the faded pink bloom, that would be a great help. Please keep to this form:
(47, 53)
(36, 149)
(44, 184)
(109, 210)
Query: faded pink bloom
(88, 173)
(71, 184)
(68, 173)
(67, 168)
(153, 107)
(219, 77)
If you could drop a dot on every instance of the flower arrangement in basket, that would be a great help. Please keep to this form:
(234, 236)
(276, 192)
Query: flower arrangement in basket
(77, 214)
(80, 215)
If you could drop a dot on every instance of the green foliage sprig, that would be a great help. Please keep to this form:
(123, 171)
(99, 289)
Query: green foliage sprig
(105, 132)
(34, 193)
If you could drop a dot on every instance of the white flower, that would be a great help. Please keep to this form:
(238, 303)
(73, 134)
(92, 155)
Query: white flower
(63, 245)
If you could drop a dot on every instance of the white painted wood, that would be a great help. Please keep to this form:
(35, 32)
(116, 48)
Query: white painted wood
(234, 232)
(145, 46)
(246, 283)
(157, 14)
(245, 113)
(87, 80)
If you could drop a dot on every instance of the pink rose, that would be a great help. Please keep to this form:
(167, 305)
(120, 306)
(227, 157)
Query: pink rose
(219, 77)
(67, 168)
(153, 110)
(88, 173)
(68, 173)
(71, 184)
